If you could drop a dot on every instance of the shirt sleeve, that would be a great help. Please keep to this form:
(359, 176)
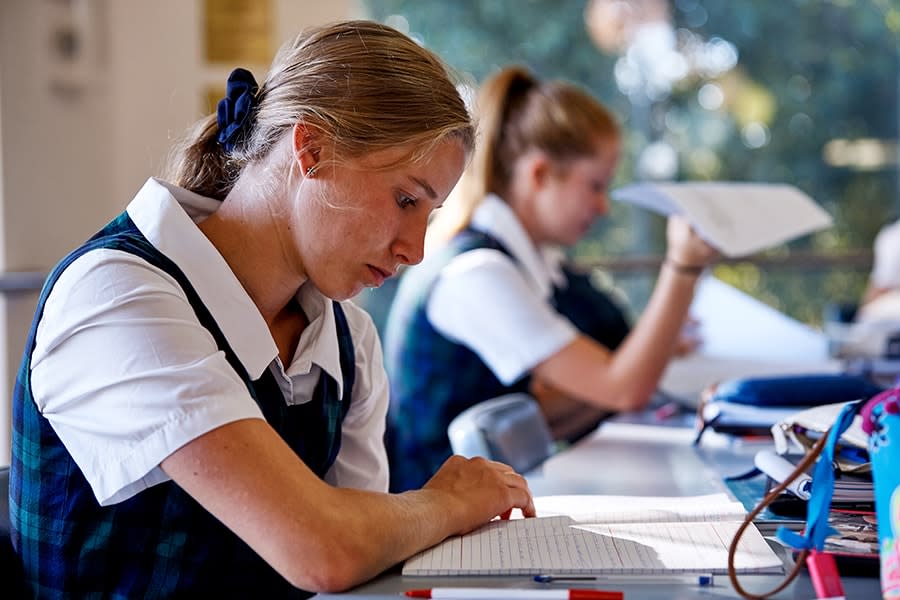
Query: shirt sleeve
(126, 374)
(362, 460)
(483, 301)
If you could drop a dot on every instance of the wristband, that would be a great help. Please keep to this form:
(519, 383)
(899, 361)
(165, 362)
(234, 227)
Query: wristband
(682, 269)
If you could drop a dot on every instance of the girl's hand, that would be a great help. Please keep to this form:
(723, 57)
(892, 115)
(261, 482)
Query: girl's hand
(685, 247)
(477, 490)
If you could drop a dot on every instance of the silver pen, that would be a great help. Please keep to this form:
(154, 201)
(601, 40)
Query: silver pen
(700, 579)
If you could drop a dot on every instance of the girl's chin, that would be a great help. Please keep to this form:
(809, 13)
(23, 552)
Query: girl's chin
(345, 290)
(340, 294)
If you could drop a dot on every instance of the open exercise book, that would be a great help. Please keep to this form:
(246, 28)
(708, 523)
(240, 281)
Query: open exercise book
(605, 535)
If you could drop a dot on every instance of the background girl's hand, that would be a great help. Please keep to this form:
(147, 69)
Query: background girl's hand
(685, 247)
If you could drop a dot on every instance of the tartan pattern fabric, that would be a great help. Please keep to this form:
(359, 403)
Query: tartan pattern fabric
(159, 543)
(433, 379)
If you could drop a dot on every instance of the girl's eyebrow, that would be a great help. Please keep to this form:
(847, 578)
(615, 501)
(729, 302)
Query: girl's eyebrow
(429, 191)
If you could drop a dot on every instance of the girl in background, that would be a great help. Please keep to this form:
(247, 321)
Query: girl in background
(496, 310)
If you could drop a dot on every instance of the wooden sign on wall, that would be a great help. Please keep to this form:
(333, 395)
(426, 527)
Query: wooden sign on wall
(238, 32)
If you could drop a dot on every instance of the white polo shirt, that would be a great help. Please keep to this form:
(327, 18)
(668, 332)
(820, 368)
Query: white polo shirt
(500, 308)
(126, 374)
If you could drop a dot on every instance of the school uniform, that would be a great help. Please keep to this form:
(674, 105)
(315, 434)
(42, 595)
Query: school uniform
(144, 340)
(470, 323)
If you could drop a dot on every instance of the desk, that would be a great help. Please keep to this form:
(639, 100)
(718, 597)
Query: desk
(630, 456)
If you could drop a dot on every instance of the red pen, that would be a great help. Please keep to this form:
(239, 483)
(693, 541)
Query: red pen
(523, 594)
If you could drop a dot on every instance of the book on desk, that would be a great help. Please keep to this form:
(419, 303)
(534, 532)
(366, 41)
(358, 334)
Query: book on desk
(605, 535)
(853, 541)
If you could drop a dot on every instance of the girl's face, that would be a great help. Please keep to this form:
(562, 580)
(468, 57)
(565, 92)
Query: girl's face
(359, 223)
(574, 195)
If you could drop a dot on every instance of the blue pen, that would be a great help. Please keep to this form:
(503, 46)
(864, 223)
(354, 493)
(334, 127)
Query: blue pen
(700, 579)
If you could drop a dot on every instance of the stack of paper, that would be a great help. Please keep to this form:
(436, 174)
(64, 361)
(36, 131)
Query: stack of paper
(853, 490)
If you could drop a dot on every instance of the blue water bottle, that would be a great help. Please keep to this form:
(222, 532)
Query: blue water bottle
(881, 421)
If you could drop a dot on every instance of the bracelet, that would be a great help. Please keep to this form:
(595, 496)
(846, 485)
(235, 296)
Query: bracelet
(682, 269)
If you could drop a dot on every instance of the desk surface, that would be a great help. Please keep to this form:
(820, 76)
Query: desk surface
(628, 456)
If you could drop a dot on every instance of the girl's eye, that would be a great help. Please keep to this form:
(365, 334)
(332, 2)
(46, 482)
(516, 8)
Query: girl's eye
(404, 201)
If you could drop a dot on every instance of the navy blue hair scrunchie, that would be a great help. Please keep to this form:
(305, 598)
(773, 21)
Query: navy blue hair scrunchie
(234, 110)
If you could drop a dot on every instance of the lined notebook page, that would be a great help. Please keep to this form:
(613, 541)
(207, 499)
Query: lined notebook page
(562, 545)
(587, 508)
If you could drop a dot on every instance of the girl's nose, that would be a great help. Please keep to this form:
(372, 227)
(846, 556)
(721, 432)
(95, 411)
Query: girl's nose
(409, 247)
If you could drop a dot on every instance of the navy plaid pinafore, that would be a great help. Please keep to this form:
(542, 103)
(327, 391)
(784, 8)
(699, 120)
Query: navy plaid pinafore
(159, 543)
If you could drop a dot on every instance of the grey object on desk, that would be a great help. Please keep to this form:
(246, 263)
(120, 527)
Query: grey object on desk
(509, 428)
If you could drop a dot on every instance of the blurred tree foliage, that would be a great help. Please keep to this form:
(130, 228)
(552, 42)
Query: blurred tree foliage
(811, 99)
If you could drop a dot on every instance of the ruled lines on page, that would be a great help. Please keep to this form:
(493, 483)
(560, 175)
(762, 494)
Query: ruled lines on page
(558, 545)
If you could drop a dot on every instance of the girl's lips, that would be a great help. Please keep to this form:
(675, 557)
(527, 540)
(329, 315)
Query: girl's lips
(379, 274)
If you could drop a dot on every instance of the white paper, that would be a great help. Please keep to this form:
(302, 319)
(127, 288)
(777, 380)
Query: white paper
(733, 324)
(590, 508)
(695, 539)
(743, 337)
(736, 218)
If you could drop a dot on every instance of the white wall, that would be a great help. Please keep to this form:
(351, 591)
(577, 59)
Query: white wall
(78, 139)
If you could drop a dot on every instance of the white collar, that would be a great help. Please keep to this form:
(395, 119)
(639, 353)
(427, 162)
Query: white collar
(542, 264)
(167, 216)
(319, 342)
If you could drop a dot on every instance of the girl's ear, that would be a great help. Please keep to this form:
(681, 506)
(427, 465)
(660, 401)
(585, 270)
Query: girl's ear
(306, 148)
(538, 170)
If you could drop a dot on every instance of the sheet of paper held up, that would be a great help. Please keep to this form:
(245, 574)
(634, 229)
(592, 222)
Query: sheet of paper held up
(743, 337)
(737, 218)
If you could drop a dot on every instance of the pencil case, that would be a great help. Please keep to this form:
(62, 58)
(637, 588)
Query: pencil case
(795, 390)
(753, 405)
